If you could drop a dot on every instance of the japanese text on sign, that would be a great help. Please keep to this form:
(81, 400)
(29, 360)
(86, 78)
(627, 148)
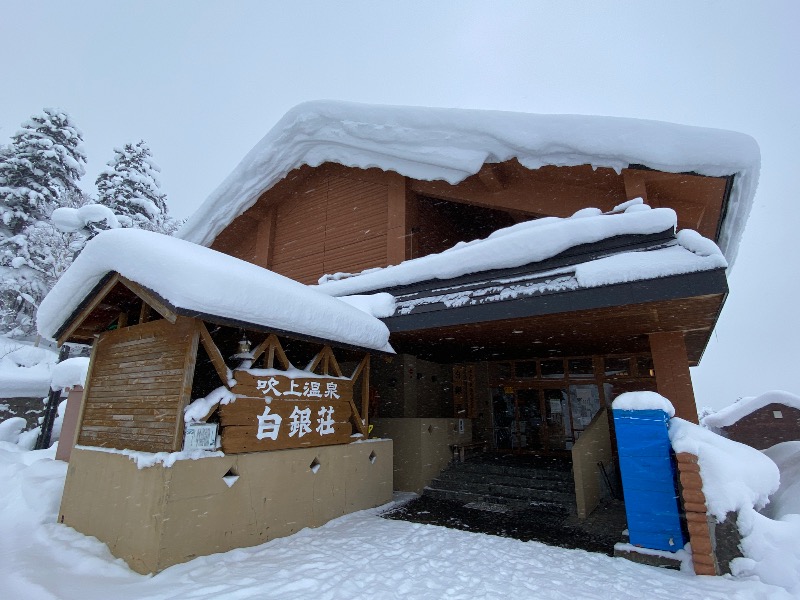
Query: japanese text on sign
(310, 389)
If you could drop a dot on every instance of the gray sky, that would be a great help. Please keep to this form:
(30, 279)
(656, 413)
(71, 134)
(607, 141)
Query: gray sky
(202, 82)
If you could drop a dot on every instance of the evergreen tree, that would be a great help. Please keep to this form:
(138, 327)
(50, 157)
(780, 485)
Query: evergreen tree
(130, 187)
(39, 172)
(40, 167)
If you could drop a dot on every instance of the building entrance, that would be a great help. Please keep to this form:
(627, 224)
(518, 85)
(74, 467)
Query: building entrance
(544, 405)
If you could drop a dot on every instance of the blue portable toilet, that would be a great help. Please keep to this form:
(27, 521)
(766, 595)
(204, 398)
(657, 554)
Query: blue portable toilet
(649, 479)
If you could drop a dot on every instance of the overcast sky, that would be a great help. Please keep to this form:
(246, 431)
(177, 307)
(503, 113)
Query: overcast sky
(202, 82)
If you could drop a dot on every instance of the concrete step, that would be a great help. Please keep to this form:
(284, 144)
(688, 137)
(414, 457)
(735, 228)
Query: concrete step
(512, 492)
(512, 471)
(463, 497)
(474, 477)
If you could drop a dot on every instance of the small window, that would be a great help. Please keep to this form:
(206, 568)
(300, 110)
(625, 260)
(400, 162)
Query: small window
(617, 367)
(644, 367)
(777, 414)
(581, 368)
(552, 369)
(503, 370)
(526, 368)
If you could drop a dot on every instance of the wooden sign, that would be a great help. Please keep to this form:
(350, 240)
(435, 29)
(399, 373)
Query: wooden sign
(279, 412)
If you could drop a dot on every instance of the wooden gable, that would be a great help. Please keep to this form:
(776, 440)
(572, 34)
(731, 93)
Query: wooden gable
(334, 218)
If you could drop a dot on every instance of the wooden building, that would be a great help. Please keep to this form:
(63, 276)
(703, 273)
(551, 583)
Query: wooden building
(579, 289)
(197, 433)
(341, 188)
(760, 422)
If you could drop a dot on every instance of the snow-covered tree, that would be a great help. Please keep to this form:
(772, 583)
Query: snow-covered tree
(39, 169)
(131, 188)
(39, 172)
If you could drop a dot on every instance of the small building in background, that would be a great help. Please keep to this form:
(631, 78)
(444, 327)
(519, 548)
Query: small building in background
(759, 421)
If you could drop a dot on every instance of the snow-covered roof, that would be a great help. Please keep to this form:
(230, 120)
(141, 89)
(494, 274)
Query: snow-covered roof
(747, 406)
(195, 279)
(534, 241)
(452, 144)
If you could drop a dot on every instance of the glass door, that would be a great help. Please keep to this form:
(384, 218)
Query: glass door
(529, 423)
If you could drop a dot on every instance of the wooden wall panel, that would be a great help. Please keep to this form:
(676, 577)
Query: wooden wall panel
(137, 387)
(239, 239)
(332, 223)
(761, 429)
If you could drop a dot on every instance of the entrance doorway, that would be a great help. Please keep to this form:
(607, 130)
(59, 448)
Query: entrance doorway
(545, 405)
(542, 419)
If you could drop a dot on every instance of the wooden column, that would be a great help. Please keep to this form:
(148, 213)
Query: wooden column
(396, 228)
(635, 186)
(264, 238)
(673, 380)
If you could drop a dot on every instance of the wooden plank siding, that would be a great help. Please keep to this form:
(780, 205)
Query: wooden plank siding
(330, 219)
(137, 387)
(336, 224)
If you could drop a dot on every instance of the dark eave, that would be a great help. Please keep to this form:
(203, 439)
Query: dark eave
(650, 290)
(572, 256)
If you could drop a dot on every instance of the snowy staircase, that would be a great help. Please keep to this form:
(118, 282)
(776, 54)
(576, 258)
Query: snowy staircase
(505, 486)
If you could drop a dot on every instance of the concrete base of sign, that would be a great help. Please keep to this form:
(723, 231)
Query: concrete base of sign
(160, 516)
(422, 447)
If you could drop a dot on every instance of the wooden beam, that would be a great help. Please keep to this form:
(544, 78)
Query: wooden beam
(396, 226)
(673, 379)
(186, 388)
(492, 177)
(364, 362)
(317, 360)
(362, 429)
(365, 391)
(86, 387)
(272, 346)
(334, 364)
(217, 360)
(87, 310)
(152, 299)
(519, 197)
(144, 313)
(122, 321)
(265, 237)
(635, 184)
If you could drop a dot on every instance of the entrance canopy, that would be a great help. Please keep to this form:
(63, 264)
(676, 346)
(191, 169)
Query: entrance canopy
(593, 283)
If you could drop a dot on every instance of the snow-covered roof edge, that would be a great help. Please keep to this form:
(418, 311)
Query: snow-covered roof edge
(746, 406)
(452, 144)
(534, 241)
(206, 282)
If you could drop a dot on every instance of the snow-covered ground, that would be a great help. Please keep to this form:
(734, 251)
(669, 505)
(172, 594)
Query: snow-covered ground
(356, 556)
(25, 370)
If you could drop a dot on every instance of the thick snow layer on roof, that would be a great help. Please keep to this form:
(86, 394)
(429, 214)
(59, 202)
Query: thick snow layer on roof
(643, 401)
(534, 241)
(735, 477)
(195, 278)
(452, 144)
(746, 406)
(69, 373)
